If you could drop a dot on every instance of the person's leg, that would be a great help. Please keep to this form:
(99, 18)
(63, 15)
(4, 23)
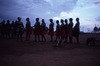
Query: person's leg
(51, 38)
(77, 39)
(59, 42)
(28, 36)
(56, 39)
(21, 36)
(38, 37)
(35, 38)
(70, 39)
(44, 38)
(66, 38)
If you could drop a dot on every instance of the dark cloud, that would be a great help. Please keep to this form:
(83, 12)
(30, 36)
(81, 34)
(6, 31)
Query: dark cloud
(97, 2)
(11, 9)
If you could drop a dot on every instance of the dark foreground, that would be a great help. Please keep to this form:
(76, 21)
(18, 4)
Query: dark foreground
(29, 53)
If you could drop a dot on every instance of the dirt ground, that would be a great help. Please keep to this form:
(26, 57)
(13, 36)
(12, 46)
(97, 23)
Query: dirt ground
(30, 53)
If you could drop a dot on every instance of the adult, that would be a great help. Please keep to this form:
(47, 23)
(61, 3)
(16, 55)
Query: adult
(70, 27)
(62, 34)
(43, 30)
(57, 30)
(66, 30)
(20, 29)
(28, 29)
(8, 29)
(76, 30)
(51, 29)
(37, 29)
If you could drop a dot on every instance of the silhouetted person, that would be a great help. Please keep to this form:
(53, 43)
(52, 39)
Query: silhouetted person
(28, 29)
(62, 34)
(0, 29)
(43, 30)
(37, 30)
(13, 29)
(8, 29)
(66, 30)
(20, 29)
(51, 29)
(3, 31)
(57, 30)
(76, 30)
(70, 27)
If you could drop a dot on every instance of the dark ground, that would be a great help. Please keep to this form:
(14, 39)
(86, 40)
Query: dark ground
(29, 53)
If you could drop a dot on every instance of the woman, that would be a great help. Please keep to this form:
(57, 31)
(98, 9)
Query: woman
(37, 30)
(70, 28)
(43, 30)
(51, 29)
(57, 30)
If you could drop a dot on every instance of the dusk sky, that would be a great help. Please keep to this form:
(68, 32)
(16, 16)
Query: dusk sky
(87, 10)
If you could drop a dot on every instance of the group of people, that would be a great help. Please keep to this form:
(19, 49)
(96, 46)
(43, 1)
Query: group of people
(12, 30)
(64, 30)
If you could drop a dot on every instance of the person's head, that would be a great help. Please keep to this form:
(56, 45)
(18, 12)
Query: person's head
(51, 20)
(27, 19)
(37, 19)
(42, 20)
(12, 22)
(8, 21)
(3, 21)
(57, 21)
(70, 19)
(66, 21)
(19, 18)
(62, 21)
(77, 19)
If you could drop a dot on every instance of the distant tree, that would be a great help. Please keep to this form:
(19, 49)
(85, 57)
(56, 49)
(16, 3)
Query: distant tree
(95, 29)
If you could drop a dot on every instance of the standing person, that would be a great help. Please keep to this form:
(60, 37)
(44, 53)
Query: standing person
(66, 30)
(62, 34)
(57, 30)
(37, 30)
(0, 29)
(76, 30)
(8, 29)
(51, 29)
(70, 29)
(20, 29)
(12, 29)
(3, 29)
(28, 29)
(43, 30)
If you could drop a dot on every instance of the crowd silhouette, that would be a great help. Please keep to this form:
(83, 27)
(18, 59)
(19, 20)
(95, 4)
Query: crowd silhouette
(64, 31)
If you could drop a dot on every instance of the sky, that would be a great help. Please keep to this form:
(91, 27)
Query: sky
(87, 10)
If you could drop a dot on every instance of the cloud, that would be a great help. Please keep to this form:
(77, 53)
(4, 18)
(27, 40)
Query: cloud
(41, 8)
(65, 15)
(86, 10)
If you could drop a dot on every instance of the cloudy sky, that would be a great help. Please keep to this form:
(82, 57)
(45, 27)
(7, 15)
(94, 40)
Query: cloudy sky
(87, 10)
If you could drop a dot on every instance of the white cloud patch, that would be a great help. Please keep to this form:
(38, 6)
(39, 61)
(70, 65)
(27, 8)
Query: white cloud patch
(65, 15)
